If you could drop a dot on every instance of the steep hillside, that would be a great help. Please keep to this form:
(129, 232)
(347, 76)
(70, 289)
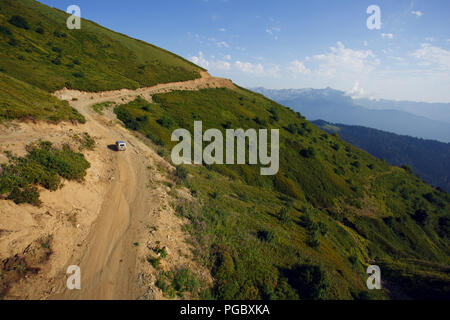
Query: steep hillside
(428, 158)
(332, 206)
(308, 232)
(39, 53)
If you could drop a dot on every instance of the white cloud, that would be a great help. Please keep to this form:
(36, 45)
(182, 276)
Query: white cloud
(357, 92)
(387, 35)
(297, 66)
(273, 31)
(210, 64)
(223, 30)
(227, 65)
(345, 61)
(366, 43)
(417, 13)
(429, 39)
(432, 55)
(399, 59)
(200, 60)
(248, 67)
(222, 44)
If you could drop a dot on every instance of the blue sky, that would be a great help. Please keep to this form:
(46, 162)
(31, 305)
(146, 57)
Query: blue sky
(297, 43)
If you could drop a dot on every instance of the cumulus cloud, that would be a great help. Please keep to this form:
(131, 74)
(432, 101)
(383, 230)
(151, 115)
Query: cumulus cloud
(248, 67)
(211, 63)
(226, 64)
(298, 67)
(200, 60)
(417, 13)
(357, 92)
(345, 61)
(430, 55)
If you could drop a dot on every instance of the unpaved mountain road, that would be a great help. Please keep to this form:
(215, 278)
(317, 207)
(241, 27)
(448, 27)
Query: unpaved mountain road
(108, 264)
(123, 207)
(125, 95)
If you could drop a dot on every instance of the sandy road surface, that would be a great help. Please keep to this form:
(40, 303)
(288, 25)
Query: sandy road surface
(108, 266)
(112, 239)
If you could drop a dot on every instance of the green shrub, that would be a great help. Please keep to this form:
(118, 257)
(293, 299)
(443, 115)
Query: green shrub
(29, 194)
(285, 216)
(310, 281)
(5, 31)
(19, 22)
(155, 262)
(165, 122)
(59, 34)
(310, 152)
(39, 30)
(181, 172)
(128, 120)
(184, 281)
(57, 50)
(78, 75)
(266, 236)
(407, 168)
(44, 166)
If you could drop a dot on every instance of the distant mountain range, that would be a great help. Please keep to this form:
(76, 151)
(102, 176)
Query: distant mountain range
(434, 111)
(337, 107)
(430, 159)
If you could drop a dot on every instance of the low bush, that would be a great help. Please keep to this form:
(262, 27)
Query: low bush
(5, 31)
(310, 281)
(181, 172)
(165, 122)
(29, 194)
(19, 22)
(44, 165)
(266, 236)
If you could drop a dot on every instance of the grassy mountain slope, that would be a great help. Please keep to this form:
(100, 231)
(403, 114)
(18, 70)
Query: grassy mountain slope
(330, 210)
(37, 48)
(430, 159)
(308, 232)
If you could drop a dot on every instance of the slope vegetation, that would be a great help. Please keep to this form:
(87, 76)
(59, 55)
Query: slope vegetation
(308, 232)
(428, 158)
(38, 53)
(330, 211)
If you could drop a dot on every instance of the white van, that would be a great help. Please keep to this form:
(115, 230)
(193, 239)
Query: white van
(121, 145)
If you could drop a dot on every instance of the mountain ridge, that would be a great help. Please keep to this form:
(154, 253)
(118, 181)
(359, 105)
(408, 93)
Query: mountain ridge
(337, 107)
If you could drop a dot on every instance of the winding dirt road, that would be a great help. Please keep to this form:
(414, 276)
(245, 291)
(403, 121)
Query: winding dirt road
(108, 262)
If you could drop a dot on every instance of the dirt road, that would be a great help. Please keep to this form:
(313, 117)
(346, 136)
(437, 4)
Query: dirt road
(110, 247)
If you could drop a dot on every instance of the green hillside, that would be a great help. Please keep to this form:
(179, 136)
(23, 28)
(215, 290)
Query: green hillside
(36, 48)
(330, 210)
(428, 158)
(308, 232)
